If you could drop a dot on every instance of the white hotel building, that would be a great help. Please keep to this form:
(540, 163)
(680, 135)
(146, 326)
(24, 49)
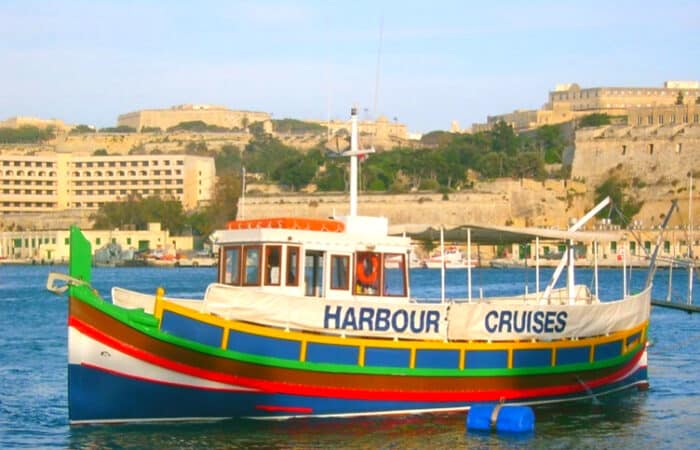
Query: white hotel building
(57, 181)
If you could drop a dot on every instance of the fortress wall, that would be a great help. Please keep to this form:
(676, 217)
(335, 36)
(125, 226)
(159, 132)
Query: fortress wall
(495, 207)
(655, 155)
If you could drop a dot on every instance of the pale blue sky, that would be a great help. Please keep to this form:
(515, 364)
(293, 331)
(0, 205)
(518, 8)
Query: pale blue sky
(89, 61)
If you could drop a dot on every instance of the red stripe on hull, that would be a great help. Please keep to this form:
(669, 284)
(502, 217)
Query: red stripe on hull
(287, 409)
(353, 393)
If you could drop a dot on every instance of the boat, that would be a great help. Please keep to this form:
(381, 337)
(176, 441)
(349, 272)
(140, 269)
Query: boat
(307, 319)
(453, 258)
(506, 263)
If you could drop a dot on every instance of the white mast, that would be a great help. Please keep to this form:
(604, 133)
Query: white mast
(691, 267)
(353, 154)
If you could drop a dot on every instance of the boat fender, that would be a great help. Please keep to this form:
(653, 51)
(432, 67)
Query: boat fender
(368, 269)
(501, 418)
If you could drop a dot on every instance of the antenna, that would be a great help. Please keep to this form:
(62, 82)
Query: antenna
(379, 58)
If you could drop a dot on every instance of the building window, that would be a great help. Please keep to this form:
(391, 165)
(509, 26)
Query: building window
(679, 147)
(650, 120)
(624, 149)
(651, 149)
(661, 119)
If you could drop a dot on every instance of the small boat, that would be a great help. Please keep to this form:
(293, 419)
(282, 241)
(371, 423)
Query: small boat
(506, 263)
(451, 258)
(314, 318)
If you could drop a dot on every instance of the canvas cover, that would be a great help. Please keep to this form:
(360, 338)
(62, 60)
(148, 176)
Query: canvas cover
(501, 320)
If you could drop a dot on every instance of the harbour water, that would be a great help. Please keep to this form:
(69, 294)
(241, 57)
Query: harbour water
(33, 397)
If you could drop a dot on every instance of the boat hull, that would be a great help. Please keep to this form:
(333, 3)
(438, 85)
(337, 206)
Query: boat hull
(125, 372)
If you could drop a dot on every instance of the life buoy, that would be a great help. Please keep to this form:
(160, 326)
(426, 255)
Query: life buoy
(365, 277)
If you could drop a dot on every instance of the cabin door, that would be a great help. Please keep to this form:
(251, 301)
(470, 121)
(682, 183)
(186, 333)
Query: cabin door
(313, 273)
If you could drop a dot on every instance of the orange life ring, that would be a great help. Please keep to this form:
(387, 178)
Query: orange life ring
(362, 275)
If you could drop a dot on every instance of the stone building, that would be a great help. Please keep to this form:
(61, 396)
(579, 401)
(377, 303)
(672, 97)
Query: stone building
(210, 114)
(19, 121)
(381, 129)
(569, 101)
(53, 245)
(58, 181)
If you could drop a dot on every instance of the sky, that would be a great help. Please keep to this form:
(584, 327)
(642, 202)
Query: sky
(423, 63)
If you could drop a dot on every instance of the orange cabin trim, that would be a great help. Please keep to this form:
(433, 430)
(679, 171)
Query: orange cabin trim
(288, 223)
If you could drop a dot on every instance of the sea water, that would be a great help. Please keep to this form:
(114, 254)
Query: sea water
(33, 386)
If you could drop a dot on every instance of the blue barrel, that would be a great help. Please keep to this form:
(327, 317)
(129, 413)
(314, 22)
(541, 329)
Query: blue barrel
(509, 419)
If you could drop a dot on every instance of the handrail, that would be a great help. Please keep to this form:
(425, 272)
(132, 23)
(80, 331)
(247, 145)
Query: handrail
(69, 281)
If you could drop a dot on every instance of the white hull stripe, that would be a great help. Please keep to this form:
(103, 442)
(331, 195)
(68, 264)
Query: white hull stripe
(86, 351)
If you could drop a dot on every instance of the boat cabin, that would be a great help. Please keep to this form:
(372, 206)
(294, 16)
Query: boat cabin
(349, 257)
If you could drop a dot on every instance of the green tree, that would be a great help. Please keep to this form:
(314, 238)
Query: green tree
(679, 98)
(224, 203)
(228, 158)
(119, 129)
(550, 139)
(504, 138)
(615, 188)
(294, 126)
(138, 212)
(82, 129)
(151, 130)
(594, 120)
(100, 152)
(332, 179)
(26, 134)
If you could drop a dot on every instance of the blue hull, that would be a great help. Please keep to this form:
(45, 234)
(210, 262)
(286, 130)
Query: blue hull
(98, 396)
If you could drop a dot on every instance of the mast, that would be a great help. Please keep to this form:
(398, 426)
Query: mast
(353, 153)
(353, 162)
(691, 267)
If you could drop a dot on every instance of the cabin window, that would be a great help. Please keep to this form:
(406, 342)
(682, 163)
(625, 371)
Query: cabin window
(395, 275)
(252, 266)
(232, 266)
(313, 273)
(340, 268)
(292, 266)
(273, 258)
(367, 276)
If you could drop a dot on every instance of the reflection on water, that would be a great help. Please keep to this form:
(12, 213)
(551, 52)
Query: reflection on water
(615, 420)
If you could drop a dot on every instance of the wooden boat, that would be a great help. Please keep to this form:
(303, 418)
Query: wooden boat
(314, 318)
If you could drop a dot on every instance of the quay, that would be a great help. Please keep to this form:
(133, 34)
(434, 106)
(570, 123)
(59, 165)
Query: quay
(689, 308)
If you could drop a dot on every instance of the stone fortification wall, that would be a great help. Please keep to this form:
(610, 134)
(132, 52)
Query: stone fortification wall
(655, 155)
(655, 160)
(502, 202)
(212, 115)
(123, 143)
